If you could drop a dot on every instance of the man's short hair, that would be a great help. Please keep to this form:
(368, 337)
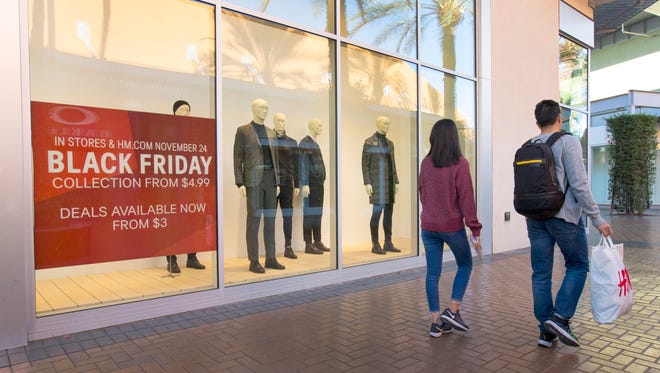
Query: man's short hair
(546, 112)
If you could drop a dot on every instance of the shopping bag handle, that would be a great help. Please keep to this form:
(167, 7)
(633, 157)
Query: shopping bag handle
(606, 239)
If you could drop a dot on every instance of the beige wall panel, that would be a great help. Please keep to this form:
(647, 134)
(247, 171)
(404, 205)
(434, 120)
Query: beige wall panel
(581, 6)
(524, 70)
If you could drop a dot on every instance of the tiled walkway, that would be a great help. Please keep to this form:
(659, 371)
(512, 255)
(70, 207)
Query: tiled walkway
(379, 324)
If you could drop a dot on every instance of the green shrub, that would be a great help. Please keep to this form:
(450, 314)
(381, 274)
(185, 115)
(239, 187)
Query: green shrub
(632, 139)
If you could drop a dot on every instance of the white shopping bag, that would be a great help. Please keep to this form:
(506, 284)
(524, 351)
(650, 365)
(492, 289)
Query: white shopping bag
(611, 290)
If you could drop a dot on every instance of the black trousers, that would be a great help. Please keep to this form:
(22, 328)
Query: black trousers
(312, 214)
(261, 201)
(387, 221)
(285, 200)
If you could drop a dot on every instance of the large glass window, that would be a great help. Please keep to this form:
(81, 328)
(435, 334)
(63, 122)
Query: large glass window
(104, 73)
(378, 155)
(448, 38)
(318, 14)
(276, 76)
(124, 169)
(573, 72)
(387, 25)
(446, 96)
(573, 91)
(575, 123)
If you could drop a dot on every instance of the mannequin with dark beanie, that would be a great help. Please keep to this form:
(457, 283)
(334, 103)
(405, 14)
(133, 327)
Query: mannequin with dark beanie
(182, 108)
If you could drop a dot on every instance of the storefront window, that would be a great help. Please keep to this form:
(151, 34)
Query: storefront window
(389, 26)
(378, 155)
(575, 123)
(573, 88)
(276, 76)
(448, 34)
(573, 72)
(124, 169)
(102, 75)
(446, 96)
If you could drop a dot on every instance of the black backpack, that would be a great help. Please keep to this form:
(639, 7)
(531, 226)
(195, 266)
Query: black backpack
(536, 192)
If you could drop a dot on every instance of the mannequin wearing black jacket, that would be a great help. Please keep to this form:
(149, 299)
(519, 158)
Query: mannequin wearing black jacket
(380, 182)
(312, 177)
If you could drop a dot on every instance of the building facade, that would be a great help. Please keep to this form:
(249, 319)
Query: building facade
(633, 102)
(623, 81)
(104, 177)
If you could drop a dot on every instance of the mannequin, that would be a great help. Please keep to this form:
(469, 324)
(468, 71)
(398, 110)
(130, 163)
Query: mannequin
(287, 152)
(380, 183)
(182, 108)
(312, 177)
(257, 179)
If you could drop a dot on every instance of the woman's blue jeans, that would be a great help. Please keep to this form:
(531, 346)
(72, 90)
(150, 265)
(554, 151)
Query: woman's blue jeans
(572, 241)
(434, 245)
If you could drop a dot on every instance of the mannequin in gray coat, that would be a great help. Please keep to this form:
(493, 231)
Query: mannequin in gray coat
(380, 183)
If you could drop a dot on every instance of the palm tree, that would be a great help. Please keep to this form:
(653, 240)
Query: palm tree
(400, 23)
(448, 14)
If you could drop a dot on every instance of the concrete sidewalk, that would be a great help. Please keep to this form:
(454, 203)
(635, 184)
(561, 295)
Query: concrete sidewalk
(380, 324)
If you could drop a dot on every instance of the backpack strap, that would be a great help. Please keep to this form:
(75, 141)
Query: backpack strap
(551, 140)
(554, 137)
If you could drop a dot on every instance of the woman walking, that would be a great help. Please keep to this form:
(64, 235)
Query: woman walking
(447, 197)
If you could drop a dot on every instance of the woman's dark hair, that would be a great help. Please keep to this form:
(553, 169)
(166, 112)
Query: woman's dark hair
(445, 149)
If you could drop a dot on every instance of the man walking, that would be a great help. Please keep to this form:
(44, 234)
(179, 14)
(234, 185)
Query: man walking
(566, 229)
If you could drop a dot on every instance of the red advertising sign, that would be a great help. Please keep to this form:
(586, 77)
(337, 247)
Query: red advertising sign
(114, 185)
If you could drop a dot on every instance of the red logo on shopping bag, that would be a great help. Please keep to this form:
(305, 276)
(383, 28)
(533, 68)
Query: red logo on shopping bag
(624, 282)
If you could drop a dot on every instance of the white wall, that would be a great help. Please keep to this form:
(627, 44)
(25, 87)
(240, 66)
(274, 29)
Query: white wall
(638, 73)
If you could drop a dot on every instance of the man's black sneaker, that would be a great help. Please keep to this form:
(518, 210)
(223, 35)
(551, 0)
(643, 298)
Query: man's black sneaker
(455, 320)
(547, 339)
(560, 326)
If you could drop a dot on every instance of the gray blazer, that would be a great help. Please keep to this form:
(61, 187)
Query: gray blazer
(248, 156)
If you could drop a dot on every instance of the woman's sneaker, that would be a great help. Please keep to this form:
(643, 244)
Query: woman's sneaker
(454, 319)
(439, 329)
(547, 339)
(560, 326)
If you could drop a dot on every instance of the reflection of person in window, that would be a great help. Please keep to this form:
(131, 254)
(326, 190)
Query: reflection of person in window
(380, 183)
(182, 108)
(287, 151)
(312, 176)
(257, 179)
